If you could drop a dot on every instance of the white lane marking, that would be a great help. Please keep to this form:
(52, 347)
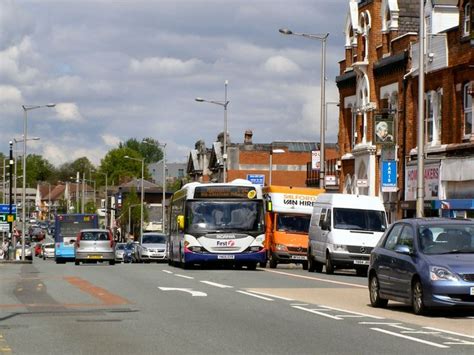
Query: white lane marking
(188, 290)
(352, 312)
(167, 271)
(254, 295)
(401, 327)
(185, 276)
(315, 311)
(395, 325)
(216, 284)
(410, 338)
(316, 279)
(450, 332)
(269, 295)
(298, 304)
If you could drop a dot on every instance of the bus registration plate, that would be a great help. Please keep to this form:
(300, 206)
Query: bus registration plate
(225, 257)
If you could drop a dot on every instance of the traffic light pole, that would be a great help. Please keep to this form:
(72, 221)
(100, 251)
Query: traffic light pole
(11, 237)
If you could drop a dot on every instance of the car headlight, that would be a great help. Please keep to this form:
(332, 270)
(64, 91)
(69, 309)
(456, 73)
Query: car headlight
(144, 249)
(281, 247)
(340, 247)
(438, 273)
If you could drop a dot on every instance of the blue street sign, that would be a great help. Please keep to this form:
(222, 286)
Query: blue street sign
(389, 176)
(6, 209)
(256, 179)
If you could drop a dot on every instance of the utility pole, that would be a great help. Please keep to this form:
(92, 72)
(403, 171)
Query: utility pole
(10, 222)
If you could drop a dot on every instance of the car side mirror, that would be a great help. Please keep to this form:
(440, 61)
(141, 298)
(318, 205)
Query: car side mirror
(403, 249)
(180, 221)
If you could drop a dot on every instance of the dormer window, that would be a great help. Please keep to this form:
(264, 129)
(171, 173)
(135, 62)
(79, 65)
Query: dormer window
(467, 19)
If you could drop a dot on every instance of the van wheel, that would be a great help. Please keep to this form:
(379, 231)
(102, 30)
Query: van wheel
(311, 265)
(329, 265)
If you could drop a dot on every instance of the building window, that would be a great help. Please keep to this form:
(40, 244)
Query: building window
(180, 173)
(433, 115)
(467, 103)
(467, 19)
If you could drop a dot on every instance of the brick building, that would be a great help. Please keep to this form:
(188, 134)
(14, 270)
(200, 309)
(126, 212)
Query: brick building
(378, 86)
(289, 161)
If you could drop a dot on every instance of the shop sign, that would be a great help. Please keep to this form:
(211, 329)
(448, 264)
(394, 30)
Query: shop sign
(431, 182)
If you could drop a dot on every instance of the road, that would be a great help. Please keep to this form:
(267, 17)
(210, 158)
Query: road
(154, 308)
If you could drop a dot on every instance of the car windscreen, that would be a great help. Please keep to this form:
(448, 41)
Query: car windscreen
(224, 215)
(293, 223)
(154, 239)
(120, 246)
(359, 220)
(446, 238)
(94, 236)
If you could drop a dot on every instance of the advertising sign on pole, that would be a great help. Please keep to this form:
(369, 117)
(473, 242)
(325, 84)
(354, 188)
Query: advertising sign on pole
(256, 179)
(315, 160)
(389, 176)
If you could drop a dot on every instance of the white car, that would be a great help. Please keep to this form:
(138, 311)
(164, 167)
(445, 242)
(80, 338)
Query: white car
(48, 251)
(152, 247)
(28, 253)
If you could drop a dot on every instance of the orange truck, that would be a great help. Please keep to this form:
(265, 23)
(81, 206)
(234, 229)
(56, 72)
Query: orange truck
(287, 216)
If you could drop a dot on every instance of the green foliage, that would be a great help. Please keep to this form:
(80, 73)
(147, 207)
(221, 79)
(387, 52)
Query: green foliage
(90, 207)
(119, 169)
(132, 199)
(69, 170)
(37, 169)
(148, 148)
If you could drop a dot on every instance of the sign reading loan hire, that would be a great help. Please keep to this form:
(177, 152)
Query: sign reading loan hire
(389, 176)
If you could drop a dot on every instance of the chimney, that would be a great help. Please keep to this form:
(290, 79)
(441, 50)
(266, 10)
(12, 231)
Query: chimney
(248, 136)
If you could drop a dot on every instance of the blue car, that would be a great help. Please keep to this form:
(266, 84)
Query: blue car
(424, 262)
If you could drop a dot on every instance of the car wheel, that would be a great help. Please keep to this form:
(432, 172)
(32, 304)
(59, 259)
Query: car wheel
(374, 293)
(418, 303)
(112, 262)
(77, 262)
(263, 264)
(252, 266)
(329, 265)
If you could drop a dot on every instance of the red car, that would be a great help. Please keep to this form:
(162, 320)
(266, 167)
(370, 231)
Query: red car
(38, 249)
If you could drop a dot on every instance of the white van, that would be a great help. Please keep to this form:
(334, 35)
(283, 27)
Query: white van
(343, 231)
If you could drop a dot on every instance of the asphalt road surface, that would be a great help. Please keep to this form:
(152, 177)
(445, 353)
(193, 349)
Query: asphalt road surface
(157, 309)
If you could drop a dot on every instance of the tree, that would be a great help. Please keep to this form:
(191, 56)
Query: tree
(132, 200)
(119, 169)
(69, 170)
(148, 148)
(38, 169)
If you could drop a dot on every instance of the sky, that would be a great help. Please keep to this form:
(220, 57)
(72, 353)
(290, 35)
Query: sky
(119, 69)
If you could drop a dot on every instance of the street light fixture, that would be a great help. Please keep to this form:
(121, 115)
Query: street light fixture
(323, 38)
(141, 192)
(163, 197)
(270, 168)
(223, 104)
(23, 197)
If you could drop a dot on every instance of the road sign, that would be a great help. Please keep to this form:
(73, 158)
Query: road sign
(256, 179)
(389, 176)
(4, 227)
(315, 160)
(6, 209)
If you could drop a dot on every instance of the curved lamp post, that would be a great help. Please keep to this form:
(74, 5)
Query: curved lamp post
(323, 38)
(223, 104)
(26, 108)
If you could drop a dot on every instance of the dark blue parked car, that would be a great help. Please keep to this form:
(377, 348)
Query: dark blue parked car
(424, 262)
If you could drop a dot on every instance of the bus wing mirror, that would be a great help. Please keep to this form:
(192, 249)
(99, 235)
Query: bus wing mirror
(180, 221)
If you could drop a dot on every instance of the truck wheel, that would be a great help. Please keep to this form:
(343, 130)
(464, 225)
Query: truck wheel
(311, 266)
(329, 265)
(305, 265)
(273, 262)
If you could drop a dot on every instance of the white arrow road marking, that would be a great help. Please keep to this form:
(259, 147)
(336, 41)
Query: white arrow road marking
(188, 290)
(216, 284)
(449, 332)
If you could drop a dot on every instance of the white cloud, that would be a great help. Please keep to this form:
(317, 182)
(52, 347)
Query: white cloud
(10, 99)
(68, 111)
(281, 65)
(11, 59)
(164, 66)
(111, 140)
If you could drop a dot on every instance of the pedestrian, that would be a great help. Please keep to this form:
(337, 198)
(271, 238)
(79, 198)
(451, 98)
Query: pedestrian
(5, 247)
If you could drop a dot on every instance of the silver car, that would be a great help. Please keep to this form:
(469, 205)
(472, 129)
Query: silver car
(119, 251)
(152, 247)
(48, 250)
(94, 245)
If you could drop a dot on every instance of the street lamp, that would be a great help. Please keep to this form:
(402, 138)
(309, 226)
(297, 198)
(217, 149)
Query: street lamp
(163, 197)
(223, 104)
(270, 168)
(23, 195)
(141, 194)
(420, 187)
(323, 38)
(106, 197)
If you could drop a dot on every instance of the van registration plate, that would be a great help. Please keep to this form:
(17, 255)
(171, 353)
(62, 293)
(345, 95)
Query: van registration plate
(361, 262)
(472, 291)
(225, 257)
